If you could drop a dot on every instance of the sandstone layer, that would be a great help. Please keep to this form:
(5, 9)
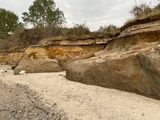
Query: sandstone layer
(130, 62)
(11, 58)
(36, 60)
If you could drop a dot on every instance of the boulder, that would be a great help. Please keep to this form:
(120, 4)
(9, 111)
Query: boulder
(38, 66)
(130, 63)
(35, 60)
(3, 58)
(10, 58)
(14, 58)
(139, 73)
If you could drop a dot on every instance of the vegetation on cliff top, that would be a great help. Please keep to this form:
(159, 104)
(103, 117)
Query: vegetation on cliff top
(143, 13)
(48, 24)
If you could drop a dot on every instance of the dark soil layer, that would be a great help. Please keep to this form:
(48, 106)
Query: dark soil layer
(141, 21)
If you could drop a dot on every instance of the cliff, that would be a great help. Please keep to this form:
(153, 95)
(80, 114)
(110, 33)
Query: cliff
(74, 41)
(11, 58)
(52, 55)
(129, 62)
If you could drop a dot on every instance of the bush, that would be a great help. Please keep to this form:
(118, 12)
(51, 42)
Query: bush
(4, 45)
(77, 30)
(140, 10)
(109, 31)
(143, 11)
(14, 48)
(22, 38)
(26, 37)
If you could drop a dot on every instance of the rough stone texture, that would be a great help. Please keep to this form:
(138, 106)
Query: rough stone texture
(138, 73)
(11, 58)
(3, 58)
(35, 60)
(130, 63)
(72, 52)
(77, 41)
(14, 58)
(38, 59)
(141, 28)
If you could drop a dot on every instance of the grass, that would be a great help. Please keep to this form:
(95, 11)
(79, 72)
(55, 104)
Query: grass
(150, 16)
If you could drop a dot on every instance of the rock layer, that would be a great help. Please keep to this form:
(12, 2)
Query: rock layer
(11, 58)
(130, 63)
(35, 60)
(38, 59)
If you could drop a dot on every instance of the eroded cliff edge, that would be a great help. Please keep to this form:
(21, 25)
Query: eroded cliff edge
(130, 62)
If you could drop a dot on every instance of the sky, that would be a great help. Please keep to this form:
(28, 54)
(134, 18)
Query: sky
(94, 13)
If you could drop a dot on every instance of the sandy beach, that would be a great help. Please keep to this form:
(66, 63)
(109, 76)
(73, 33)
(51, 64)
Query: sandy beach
(78, 101)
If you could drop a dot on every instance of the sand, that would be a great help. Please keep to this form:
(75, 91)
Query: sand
(85, 102)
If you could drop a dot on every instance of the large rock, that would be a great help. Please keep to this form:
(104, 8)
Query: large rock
(35, 60)
(11, 58)
(14, 58)
(3, 58)
(131, 63)
(138, 73)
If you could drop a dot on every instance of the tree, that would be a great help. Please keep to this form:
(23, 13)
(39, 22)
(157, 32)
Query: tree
(139, 10)
(43, 13)
(8, 22)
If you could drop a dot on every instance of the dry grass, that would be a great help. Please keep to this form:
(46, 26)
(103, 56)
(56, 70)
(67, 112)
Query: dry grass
(153, 14)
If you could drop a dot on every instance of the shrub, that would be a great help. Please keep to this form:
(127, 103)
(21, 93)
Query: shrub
(14, 48)
(140, 10)
(4, 45)
(77, 30)
(22, 38)
(109, 31)
(143, 11)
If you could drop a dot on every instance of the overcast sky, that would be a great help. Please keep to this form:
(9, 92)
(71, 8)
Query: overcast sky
(94, 12)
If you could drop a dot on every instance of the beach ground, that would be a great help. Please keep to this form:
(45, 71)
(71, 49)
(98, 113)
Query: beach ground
(51, 96)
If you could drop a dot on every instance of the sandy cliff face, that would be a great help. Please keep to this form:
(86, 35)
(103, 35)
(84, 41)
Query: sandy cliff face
(11, 58)
(3, 58)
(130, 62)
(36, 60)
(46, 59)
(73, 52)
(52, 51)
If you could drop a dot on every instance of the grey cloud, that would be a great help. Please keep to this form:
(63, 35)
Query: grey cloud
(95, 12)
(17, 6)
(103, 12)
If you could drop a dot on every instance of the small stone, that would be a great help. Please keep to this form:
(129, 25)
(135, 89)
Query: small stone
(143, 114)
(35, 113)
